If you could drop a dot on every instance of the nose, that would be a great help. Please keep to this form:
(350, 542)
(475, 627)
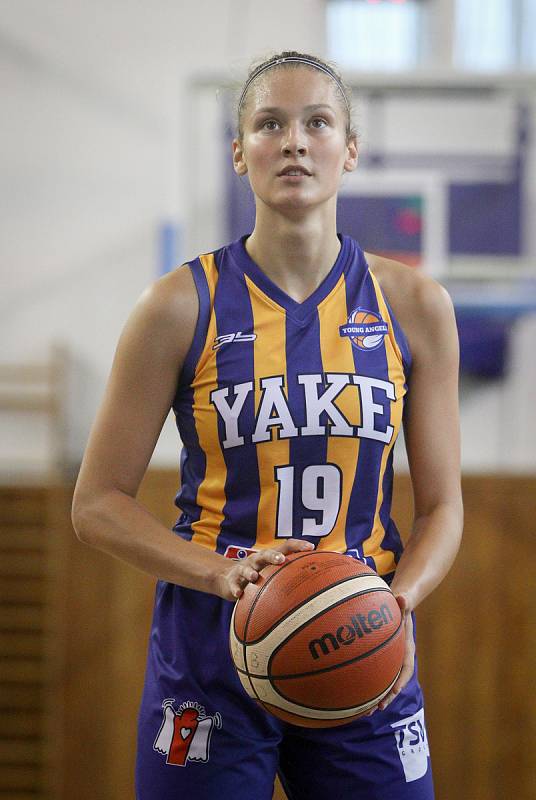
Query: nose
(294, 142)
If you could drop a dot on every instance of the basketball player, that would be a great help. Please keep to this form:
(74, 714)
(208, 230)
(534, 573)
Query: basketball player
(290, 359)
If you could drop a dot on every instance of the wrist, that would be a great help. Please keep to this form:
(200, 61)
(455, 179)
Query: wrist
(214, 578)
(410, 601)
(202, 569)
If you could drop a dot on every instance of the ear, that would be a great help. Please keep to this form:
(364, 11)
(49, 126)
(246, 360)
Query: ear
(350, 162)
(239, 162)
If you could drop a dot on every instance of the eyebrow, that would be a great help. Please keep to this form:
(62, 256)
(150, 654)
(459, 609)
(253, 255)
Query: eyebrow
(275, 109)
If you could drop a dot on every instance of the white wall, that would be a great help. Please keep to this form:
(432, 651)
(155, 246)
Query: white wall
(95, 155)
(95, 122)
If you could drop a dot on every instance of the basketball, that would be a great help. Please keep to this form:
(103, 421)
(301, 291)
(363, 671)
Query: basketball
(318, 640)
(371, 341)
(368, 341)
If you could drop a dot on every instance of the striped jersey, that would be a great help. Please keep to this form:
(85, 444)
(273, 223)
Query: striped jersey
(288, 412)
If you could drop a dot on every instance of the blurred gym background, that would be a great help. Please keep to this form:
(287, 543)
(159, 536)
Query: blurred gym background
(115, 159)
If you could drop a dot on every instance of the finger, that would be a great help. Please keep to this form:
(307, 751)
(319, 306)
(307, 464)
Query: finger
(405, 674)
(402, 601)
(388, 699)
(277, 554)
(250, 575)
(295, 546)
(251, 566)
(240, 579)
(236, 590)
(265, 557)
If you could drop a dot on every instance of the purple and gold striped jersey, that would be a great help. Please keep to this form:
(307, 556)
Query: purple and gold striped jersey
(288, 412)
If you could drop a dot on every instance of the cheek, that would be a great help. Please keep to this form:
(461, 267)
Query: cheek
(263, 159)
(333, 163)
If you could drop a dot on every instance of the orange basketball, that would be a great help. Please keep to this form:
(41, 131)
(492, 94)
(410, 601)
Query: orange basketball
(317, 640)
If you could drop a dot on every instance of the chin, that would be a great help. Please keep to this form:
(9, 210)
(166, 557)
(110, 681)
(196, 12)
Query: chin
(295, 200)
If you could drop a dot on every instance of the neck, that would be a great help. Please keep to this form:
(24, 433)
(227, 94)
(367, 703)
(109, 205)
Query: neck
(295, 253)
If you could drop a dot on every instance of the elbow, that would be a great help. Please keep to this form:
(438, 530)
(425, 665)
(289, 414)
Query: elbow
(461, 523)
(83, 519)
(454, 521)
(79, 520)
(455, 508)
(458, 513)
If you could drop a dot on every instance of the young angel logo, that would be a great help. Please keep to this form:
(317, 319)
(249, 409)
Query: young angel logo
(366, 329)
(185, 734)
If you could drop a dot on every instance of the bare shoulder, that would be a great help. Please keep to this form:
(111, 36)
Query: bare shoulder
(420, 304)
(161, 326)
(141, 386)
(172, 298)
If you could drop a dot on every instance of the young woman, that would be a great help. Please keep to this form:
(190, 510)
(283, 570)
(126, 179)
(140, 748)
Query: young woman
(288, 421)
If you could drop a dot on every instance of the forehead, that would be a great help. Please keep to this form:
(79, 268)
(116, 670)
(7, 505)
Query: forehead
(292, 87)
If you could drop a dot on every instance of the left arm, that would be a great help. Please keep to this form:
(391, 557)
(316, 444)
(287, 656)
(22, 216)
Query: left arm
(431, 431)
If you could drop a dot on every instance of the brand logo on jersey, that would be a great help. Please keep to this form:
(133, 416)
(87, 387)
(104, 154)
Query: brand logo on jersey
(366, 329)
(184, 735)
(227, 338)
(360, 625)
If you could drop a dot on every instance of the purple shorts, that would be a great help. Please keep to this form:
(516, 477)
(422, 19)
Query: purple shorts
(201, 737)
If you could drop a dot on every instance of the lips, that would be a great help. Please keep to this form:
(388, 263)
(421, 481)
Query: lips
(294, 171)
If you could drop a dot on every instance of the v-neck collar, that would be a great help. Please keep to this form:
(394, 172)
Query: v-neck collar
(299, 311)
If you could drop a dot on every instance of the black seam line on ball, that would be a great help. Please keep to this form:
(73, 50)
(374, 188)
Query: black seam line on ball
(246, 625)
(368, 703)
(261, 591)
(324, 610)
(285, 564)
(303, 603)
(337, 666)
(253, 605)
(312, 597)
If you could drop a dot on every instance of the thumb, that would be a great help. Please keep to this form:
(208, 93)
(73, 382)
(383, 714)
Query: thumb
(403, 603)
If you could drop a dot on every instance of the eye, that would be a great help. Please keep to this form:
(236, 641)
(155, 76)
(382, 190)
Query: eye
(320, 120)
(269, 124)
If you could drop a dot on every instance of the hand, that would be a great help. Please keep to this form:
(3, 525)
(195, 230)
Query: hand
(236, 575)
(408, 663)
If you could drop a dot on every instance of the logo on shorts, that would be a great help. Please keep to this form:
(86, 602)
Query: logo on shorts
(185, 734)
(366, 329)
(412, 745)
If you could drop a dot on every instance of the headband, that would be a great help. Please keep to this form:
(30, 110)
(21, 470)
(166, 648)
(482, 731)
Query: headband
(293, 59)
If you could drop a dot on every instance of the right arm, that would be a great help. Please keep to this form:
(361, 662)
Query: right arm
(137, 400)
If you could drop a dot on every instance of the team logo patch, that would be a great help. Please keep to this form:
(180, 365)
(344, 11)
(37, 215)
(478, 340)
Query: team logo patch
(233, 551)
(412, 745)
(185, 734)
(366, 329)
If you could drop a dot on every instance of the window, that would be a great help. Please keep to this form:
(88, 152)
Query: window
(495, 35)
(528, 34)
(374, 35)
